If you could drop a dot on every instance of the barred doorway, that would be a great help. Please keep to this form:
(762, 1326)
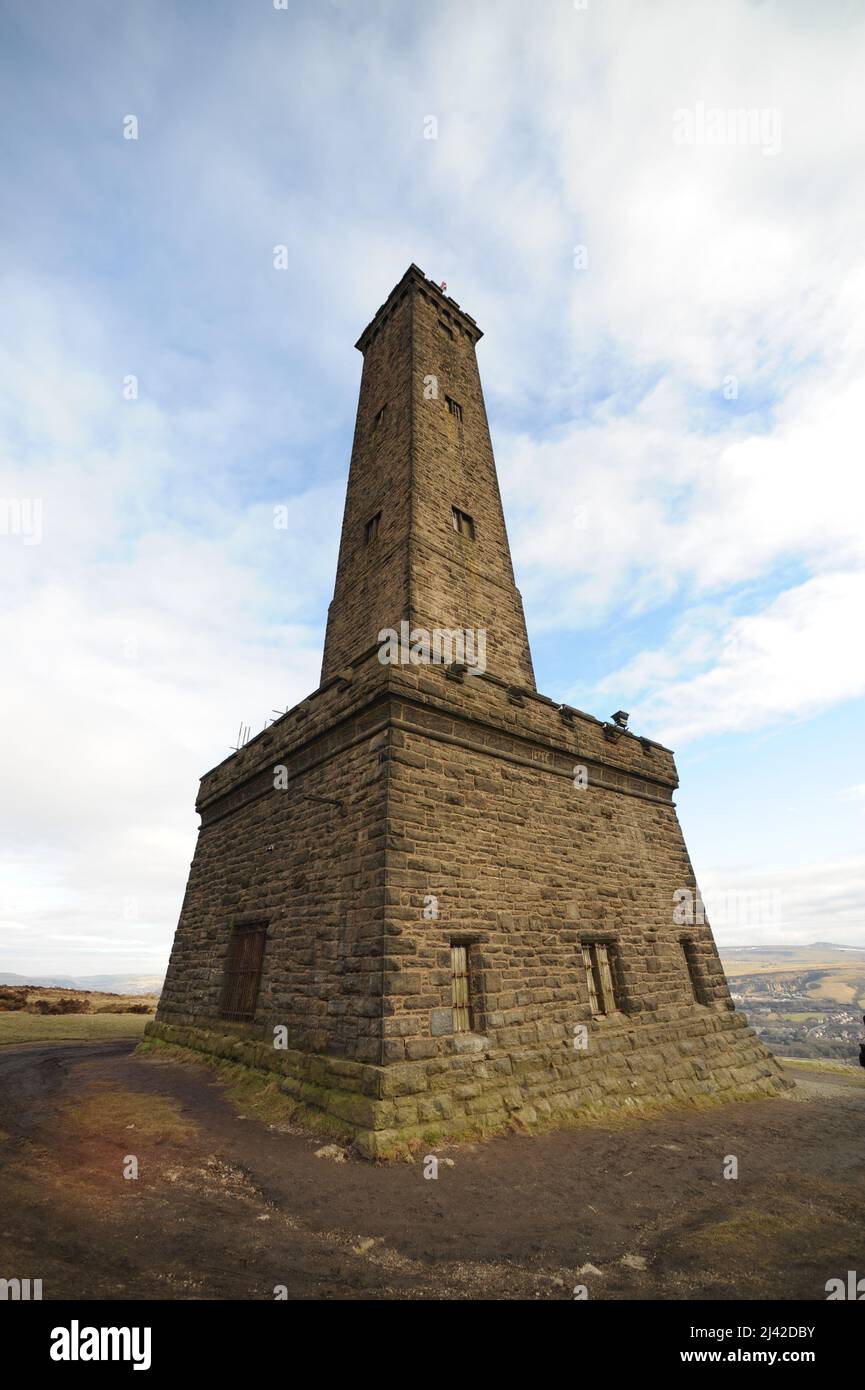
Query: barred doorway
(243, 972)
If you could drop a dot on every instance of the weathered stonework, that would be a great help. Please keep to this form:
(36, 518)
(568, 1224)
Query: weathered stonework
(420, 806)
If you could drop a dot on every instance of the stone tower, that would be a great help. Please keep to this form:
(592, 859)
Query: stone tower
(433, 900)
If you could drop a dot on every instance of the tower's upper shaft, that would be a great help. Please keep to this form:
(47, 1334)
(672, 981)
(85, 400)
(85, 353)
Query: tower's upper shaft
(423, 534)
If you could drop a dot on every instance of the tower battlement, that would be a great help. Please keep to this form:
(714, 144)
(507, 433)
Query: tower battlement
(414, 279)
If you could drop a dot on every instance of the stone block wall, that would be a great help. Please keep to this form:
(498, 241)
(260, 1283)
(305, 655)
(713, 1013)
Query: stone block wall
(307, 859)
(528, 866)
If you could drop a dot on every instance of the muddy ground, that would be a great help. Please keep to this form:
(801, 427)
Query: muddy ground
(228, 1206)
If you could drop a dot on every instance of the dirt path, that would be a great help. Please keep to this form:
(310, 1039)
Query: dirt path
(228, 1207)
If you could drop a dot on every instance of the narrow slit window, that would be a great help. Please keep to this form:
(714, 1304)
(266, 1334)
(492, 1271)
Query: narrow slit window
(695, 971)
(243, 973)
(460, 984)
(372, 528)
(599, 978)
(379, 416)
(443, 326)
(454, 407)
(463, 523)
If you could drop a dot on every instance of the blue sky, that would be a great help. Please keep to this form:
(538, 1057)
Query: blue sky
(690, 554)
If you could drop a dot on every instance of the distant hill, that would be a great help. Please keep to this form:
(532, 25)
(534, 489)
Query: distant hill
(774, 949)
(823, 951)
(108, 984)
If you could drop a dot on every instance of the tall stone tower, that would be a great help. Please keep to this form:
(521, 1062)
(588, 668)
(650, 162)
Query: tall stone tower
(433, 900)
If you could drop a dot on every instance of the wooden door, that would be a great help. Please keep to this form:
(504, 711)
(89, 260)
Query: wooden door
(461, 998)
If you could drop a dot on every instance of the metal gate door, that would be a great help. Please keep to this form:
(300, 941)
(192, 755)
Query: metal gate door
(243, 973)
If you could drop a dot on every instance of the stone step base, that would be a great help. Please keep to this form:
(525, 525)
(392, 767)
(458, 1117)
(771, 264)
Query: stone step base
(385, 1111)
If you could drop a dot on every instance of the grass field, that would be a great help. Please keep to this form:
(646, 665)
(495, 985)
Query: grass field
(818, 1064)
(20, 1027)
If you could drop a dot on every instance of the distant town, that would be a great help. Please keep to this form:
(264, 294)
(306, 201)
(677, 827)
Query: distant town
(803, 1001)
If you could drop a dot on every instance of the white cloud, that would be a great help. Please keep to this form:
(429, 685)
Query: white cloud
(668, 509)
(136, 637)
(814, 902)
(791, 660)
